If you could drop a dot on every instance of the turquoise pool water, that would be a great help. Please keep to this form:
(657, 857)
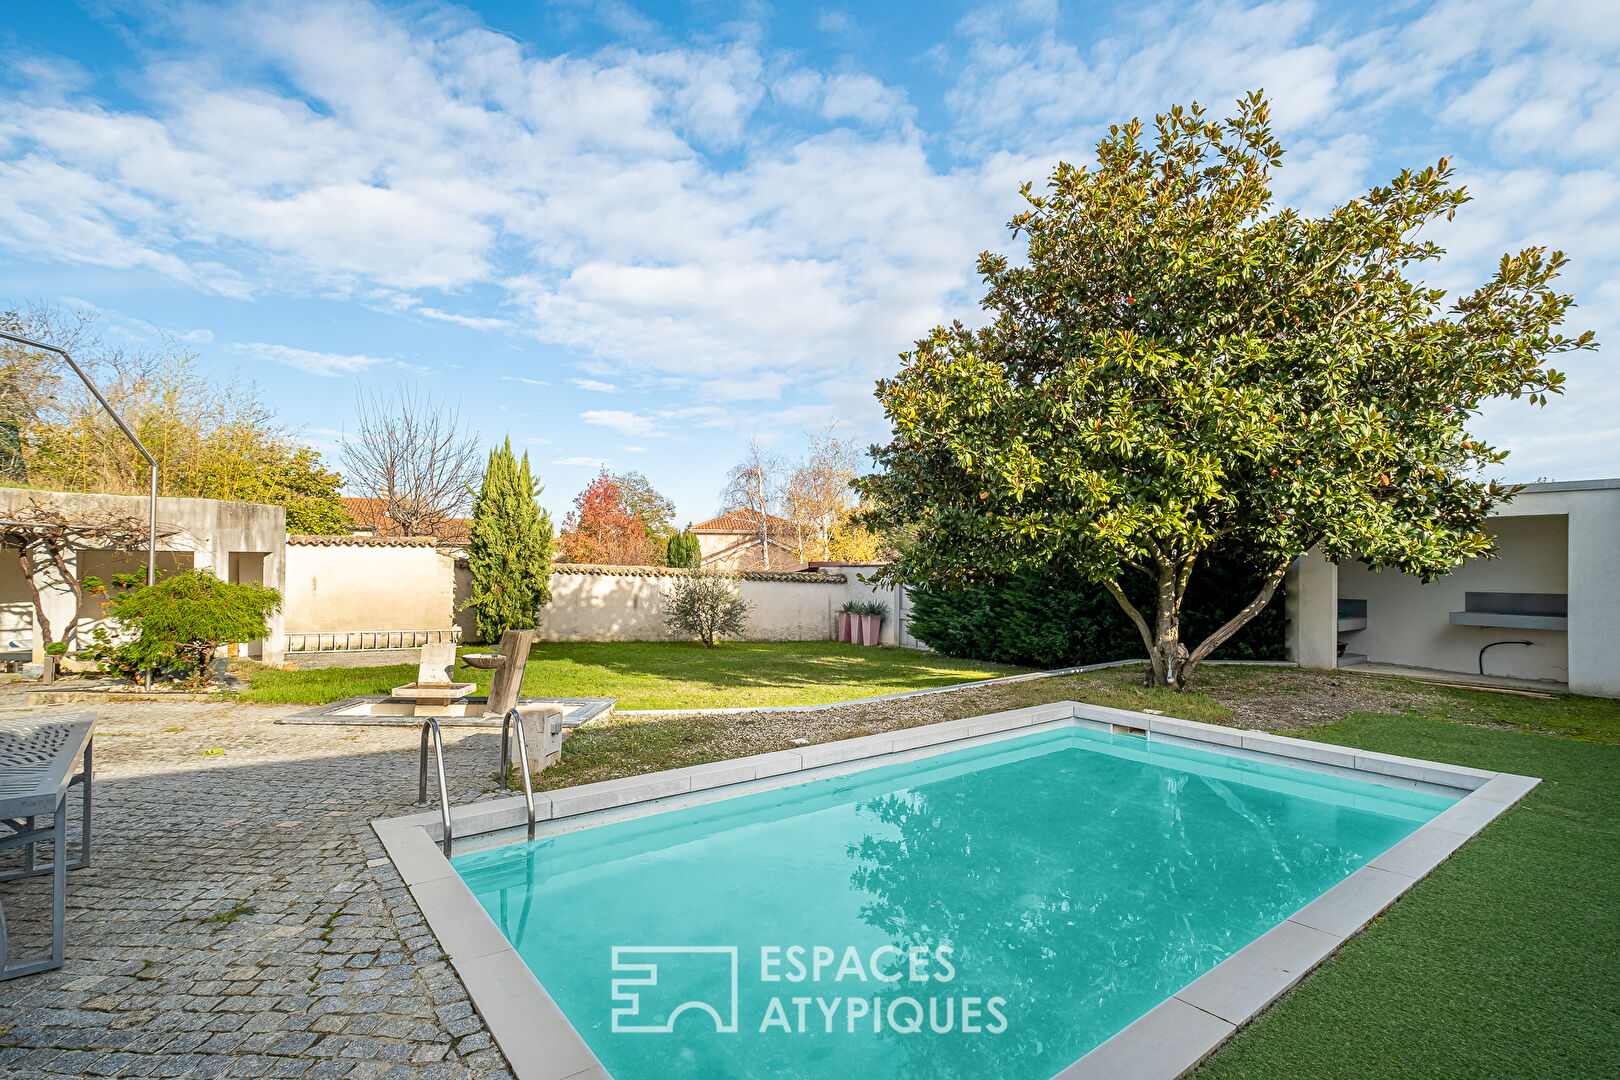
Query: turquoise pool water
(989, 912)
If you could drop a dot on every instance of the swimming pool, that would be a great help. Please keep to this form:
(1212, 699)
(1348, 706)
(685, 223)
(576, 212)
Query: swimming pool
(995, 910)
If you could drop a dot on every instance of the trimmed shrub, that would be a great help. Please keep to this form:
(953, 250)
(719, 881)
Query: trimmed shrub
(1046, 619)
(175, 626)
(708, 606)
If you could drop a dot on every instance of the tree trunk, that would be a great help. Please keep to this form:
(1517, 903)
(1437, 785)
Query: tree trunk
(1267, 590)
(39, 606)
(1162, 639)
(1170, 664)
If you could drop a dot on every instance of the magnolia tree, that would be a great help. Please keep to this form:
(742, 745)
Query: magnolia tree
(1178, 365)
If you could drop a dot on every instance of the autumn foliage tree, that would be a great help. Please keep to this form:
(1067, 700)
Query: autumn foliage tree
(1178, 366)
(602, 529)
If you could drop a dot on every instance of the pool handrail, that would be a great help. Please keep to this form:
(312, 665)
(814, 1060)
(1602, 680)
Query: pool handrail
(513, 719)
(432, 724)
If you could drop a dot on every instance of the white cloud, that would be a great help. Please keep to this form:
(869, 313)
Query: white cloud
(589, 462)
(835, 21)
(619, 420)
(737, 224)
(596, 386)
(309, 361)
(634, 449)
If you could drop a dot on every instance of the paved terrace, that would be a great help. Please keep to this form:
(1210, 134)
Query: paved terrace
(331, 974)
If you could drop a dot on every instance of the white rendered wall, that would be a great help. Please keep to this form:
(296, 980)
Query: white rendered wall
(1593, 512)
(211, 530)
(627, 606)
(1311, 604)
(335, 587)
(630, 607)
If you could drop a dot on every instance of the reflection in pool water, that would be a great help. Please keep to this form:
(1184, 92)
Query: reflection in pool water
(1053, 887)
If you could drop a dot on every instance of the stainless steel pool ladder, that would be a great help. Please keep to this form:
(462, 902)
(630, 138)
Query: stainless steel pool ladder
(511, 720)
(432, 724)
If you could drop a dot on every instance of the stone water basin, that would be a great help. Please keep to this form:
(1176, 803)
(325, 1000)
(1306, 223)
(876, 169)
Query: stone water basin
(431, 695)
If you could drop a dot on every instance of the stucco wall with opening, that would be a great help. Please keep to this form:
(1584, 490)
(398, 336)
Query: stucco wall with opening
(1409, 623)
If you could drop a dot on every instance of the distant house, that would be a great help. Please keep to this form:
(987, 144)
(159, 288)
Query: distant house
(736, 541)
(371, 519)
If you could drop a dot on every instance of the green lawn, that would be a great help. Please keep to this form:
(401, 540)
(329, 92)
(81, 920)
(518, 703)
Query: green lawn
(660, 675)
(1504, 962)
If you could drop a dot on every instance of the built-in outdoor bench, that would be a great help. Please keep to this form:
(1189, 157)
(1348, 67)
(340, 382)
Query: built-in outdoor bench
(1523, 611)
(1352, 614)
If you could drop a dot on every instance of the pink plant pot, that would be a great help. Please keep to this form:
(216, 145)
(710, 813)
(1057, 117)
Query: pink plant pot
(871, 628)
(845, 633)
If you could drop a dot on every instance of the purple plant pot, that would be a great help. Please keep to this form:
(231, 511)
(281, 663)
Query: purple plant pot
(844, 630)
(871, 628)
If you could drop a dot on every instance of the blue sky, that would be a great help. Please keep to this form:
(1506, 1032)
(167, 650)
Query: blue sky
(640, 234)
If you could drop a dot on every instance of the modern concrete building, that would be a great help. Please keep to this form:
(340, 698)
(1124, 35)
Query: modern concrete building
(1546, 608)
(237, 541)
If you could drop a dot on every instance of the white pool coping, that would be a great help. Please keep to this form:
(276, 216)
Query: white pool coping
(1171, 1039)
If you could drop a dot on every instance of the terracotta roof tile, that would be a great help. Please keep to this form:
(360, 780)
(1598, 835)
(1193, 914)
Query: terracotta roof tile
(675, 571)
(373, 514)
(361, 541)
(744, 521)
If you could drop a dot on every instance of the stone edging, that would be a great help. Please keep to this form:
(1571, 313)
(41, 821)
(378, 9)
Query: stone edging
(575, 712)
(1165, 1043)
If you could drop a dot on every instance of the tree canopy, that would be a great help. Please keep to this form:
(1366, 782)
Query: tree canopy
(212, 439)
(602, 529)
(1177, 365)
(415, 455)
(655, 512)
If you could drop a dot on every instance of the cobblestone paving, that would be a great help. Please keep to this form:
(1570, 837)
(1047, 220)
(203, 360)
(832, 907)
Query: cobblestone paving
(239, 918)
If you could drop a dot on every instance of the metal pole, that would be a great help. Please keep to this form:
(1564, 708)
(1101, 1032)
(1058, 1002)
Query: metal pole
(151, 544)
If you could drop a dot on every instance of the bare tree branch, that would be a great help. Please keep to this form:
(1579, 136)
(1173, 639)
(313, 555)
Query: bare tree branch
(754, 487)
(415, 455)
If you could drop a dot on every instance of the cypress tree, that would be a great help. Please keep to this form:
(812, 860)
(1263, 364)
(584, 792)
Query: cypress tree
(683, 550)
(509, 553)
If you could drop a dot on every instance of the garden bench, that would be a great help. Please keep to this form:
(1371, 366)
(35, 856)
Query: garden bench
(38, 755)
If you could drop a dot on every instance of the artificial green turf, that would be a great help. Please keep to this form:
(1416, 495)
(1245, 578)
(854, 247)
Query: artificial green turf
(1504, 962)
(664, 675)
